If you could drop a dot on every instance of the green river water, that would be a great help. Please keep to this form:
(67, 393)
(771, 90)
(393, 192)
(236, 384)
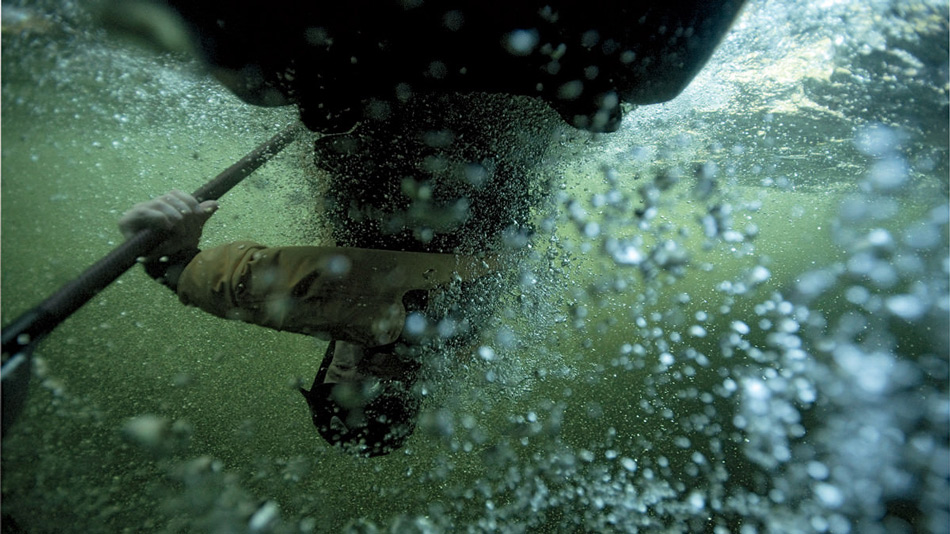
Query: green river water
(787, 372)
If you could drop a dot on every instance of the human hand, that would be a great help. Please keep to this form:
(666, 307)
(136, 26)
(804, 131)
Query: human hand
(175, 213)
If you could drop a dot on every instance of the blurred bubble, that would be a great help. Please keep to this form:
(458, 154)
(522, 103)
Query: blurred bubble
(339, 265)
(740, 327)
(876, 140)
(889, 173)
(570, 90)
(907, 307)
(521, 42)
(697, 331)
(814, 283)
(147, 430)
(264, 518)
(416, 324)
(829, 495)
(922, 236)
(453, 20)
(625, 253)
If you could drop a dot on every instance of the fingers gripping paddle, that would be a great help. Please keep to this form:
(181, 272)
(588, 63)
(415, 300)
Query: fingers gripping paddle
(23, 333)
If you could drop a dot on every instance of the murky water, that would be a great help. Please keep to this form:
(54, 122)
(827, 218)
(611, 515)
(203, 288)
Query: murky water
(734, 317)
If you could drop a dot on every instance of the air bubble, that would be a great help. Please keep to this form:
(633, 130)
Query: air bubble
(876, 140)
(415, 324)
(829, 495)
(817, 470)
(889, 174)
(339, 265)
(629, 464)
(522, 42)
(907, 307)
(697, 501)
(264, 517)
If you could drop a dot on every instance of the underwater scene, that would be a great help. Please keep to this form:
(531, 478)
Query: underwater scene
(730, 315)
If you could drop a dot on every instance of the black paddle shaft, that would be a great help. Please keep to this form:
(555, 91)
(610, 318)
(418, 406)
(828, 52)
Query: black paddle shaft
(29, 327)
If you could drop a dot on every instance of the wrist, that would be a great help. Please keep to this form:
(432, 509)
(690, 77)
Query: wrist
(167, 269)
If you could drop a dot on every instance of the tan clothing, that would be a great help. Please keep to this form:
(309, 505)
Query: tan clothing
(345, 293)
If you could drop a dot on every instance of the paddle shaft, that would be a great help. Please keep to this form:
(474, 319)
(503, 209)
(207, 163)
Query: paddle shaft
(29, 327)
